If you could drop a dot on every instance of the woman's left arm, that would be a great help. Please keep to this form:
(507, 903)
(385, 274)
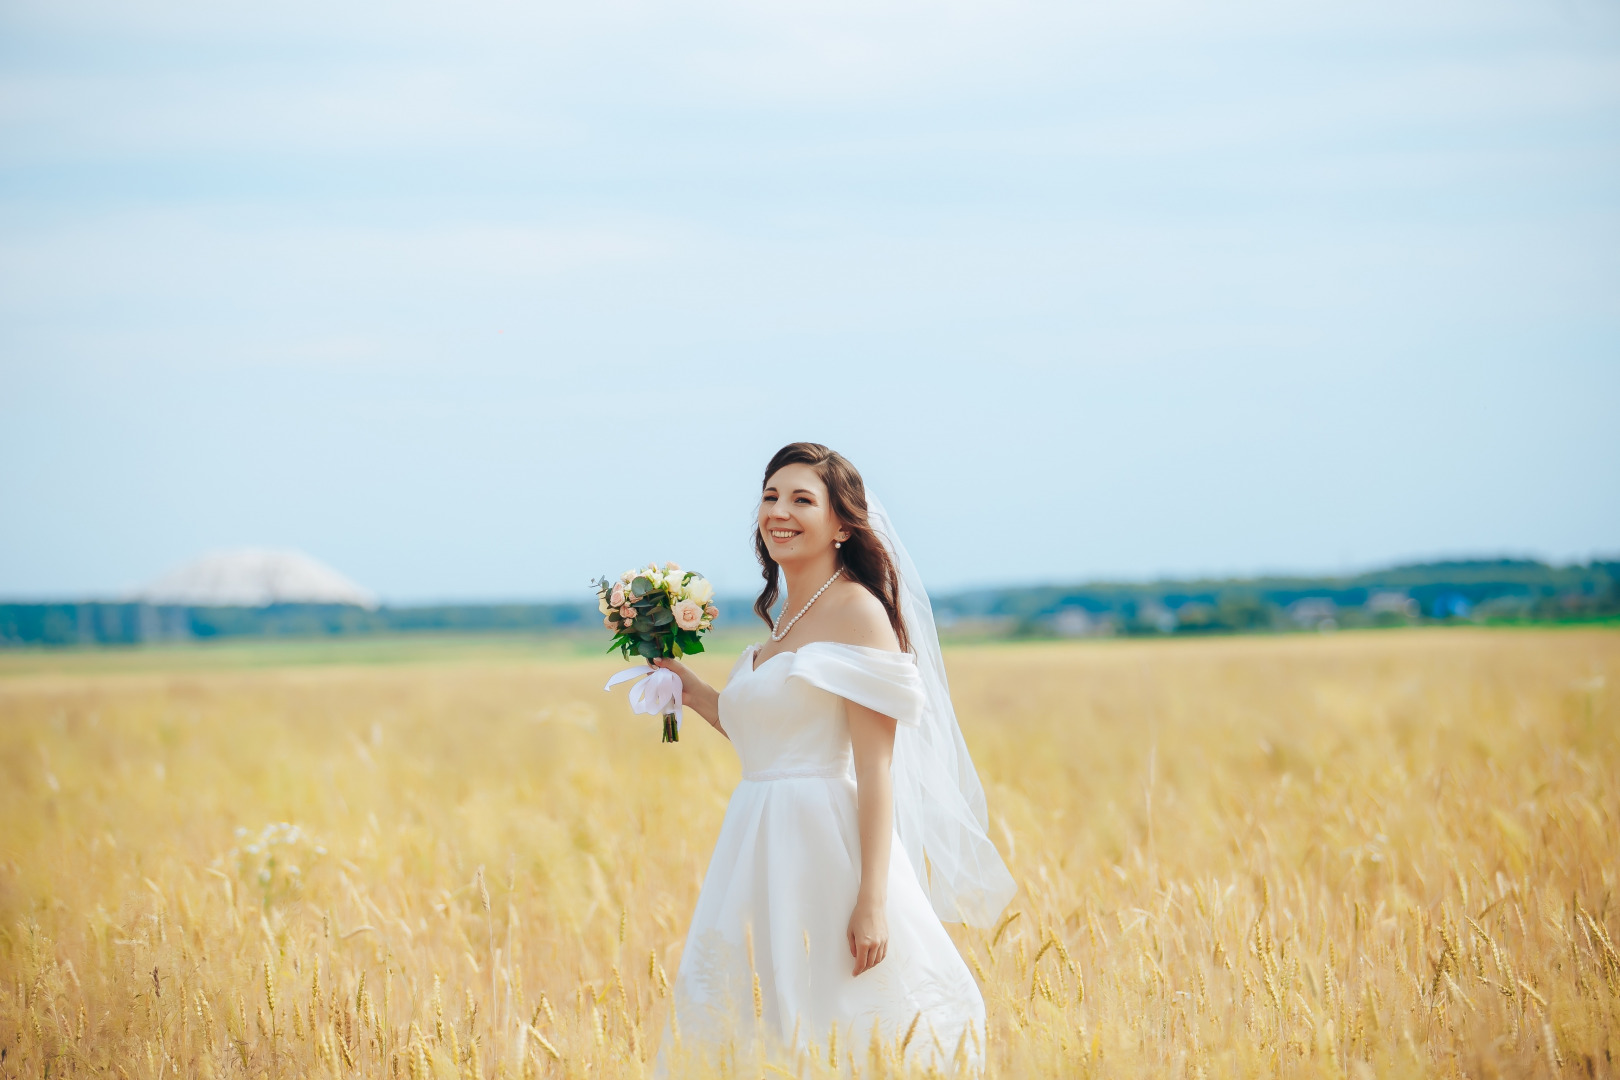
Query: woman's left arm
(872, 736)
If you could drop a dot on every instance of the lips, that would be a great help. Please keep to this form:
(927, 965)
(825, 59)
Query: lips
(783, 535)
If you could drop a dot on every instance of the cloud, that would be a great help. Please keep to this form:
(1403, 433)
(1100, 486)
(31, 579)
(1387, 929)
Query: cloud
(183, 255)
(368, 265)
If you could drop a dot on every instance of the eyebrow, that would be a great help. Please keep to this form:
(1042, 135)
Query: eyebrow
(795, 491)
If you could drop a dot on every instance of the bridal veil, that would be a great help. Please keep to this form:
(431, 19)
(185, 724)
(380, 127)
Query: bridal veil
(939, 807)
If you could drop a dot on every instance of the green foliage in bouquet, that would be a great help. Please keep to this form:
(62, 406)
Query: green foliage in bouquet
(657, 611)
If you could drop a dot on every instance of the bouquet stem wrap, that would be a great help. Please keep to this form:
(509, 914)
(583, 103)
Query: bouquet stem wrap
(660, 693)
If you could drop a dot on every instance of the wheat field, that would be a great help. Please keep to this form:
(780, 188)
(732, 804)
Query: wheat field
(1364, 855)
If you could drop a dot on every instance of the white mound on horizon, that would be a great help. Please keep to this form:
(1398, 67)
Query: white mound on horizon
(254, 577)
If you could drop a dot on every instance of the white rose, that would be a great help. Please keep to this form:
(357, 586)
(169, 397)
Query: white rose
(688, 615)
(700, 590)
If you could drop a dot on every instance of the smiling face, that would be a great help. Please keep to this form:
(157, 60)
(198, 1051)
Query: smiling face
(795, 519)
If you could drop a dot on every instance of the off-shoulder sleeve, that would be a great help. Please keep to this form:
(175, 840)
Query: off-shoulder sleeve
(883, 681)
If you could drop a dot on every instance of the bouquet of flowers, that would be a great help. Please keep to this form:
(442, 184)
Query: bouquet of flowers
(656, 611)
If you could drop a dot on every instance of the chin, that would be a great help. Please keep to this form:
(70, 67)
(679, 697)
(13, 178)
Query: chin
(796, 553)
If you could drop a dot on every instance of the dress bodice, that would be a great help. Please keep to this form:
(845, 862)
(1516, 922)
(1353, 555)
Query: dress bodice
(787, 718)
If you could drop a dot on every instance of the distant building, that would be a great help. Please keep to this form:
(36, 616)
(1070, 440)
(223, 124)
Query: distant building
(1074, 622)
(1195, 615)
(1450, 605)
(1156, 615)
(253, 577)
(1392, 602)
(1314, 612)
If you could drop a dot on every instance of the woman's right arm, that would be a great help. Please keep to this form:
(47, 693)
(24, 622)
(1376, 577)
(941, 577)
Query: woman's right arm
(696, 694)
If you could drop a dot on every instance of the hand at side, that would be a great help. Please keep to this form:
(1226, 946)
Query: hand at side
(868, 933)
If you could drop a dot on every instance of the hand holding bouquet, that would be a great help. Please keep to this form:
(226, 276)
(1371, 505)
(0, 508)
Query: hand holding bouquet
(656, 612)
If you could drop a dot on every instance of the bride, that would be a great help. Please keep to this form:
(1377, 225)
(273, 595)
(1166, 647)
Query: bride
(859, 824)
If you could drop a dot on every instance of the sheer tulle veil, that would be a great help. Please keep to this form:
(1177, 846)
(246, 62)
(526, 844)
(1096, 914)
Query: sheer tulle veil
(939, 807)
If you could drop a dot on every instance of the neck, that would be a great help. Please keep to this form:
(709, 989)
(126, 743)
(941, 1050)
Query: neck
(802, 579)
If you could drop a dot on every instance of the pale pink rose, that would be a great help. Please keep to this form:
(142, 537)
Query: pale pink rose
(607, 621)
(688, 615)
(627, 611)
(711, 611)
(617, 597)
(670, 567)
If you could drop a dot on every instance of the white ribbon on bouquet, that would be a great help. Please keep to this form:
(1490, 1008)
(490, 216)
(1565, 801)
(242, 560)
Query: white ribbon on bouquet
(660, 695)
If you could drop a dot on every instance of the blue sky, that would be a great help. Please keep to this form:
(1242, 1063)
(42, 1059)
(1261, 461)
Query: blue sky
(480, 300)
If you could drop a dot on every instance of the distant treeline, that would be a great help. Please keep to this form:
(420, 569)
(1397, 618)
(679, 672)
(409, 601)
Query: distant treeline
(1500, 590)
(129, 624)
(1494, 590)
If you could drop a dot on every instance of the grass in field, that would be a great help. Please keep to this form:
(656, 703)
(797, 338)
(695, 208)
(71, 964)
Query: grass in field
(1363, 855)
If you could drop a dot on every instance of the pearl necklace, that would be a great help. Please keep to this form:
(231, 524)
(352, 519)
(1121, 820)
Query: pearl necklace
(779, 636)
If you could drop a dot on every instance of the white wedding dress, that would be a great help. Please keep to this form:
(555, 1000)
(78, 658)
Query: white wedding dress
(766, 967)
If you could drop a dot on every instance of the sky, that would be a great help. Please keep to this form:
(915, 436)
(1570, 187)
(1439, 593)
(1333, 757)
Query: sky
(479, 301)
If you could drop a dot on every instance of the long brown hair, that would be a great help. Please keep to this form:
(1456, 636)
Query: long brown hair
(863, 556)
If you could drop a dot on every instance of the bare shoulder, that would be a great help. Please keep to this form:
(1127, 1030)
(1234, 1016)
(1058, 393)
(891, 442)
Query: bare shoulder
(856, 617)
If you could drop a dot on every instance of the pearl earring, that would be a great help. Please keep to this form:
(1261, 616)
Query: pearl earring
(838, 543)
